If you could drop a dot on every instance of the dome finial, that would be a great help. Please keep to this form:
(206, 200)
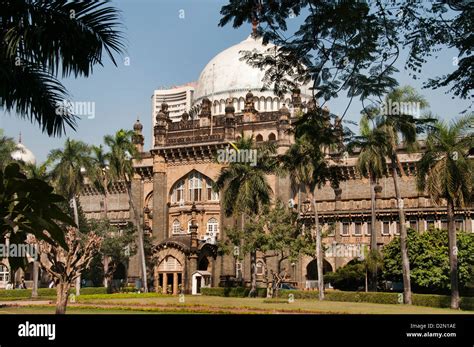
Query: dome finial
(19, 138)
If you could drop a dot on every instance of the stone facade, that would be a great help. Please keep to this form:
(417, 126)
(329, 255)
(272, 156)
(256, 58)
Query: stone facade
(172, 187)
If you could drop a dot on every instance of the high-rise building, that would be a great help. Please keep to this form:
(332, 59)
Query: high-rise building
(178, 98)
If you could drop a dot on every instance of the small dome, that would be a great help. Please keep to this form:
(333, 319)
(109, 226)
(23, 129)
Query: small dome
(23, 154)
(229, 108)
(138, 125)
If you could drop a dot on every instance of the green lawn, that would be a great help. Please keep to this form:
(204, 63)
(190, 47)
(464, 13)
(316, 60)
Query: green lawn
(223, 305)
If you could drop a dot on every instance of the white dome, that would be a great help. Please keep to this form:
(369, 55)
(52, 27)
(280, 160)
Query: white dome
(23, 154)
(226, 75)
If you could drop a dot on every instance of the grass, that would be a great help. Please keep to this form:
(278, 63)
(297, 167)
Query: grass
(89, 304)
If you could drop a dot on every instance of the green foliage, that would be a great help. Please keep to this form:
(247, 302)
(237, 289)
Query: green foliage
(445, 170)
(429, 261)
(7, 147)
(441, 301)
(237, 292)
(40, 40)
(47, 292)
(349, 277)
(244, 187)
(29, 206)
(356, 53)
(68, 165)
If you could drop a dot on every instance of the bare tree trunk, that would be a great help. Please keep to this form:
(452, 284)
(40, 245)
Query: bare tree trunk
(373, 234)
(62, 292)
(141, 247)
(453, 256)
(76, 220)
(319, 249)
(253, 274)
(403, 234)
(34, 290)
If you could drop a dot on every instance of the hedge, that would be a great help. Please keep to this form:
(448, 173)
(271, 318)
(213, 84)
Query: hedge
(430, 300)
(236, 292)
(47, 292)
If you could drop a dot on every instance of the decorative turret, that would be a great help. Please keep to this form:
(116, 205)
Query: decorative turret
(161, 125)
(283, 128)
(205, 115)
(185, 116)
(296, 99)
(137, 138)
(250, 113)
(229, 121)
(284, 114)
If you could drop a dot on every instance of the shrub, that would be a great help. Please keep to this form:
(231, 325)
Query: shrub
(237, 292)
(430, 300)
(47, 292)
(349, 277)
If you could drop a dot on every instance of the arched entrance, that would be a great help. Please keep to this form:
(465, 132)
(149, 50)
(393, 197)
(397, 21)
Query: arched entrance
(312, 272)
(170, 275)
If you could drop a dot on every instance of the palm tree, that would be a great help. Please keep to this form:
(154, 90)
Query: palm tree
(446, 173)
(371, 164)
(69, 168)
(245, 189)
(400, 127)
(40, 40)
(312, 161)
(122, 151)
(306, 166)
(100, 174)
(7, 147)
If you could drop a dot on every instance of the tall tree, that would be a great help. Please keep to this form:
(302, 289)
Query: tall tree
(370, 145)
(446, 173)
(122, 152)
(356, 53)
(245, 189)
(70, 166)
(400, 122)
(40, 40)
(100, 173)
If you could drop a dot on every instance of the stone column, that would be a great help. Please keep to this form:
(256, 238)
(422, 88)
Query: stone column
(192, 266)
(165, 283)
(175, 283)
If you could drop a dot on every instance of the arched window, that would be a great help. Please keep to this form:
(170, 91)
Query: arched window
(260, 270)
(271, 137)
(269, 104)
(176, 227)
(178, 192)
(259, 138)
(212, 227)
(211, 194)
(195, 186)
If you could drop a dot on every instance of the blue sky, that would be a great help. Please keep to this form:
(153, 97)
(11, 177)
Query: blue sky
(163, 50)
